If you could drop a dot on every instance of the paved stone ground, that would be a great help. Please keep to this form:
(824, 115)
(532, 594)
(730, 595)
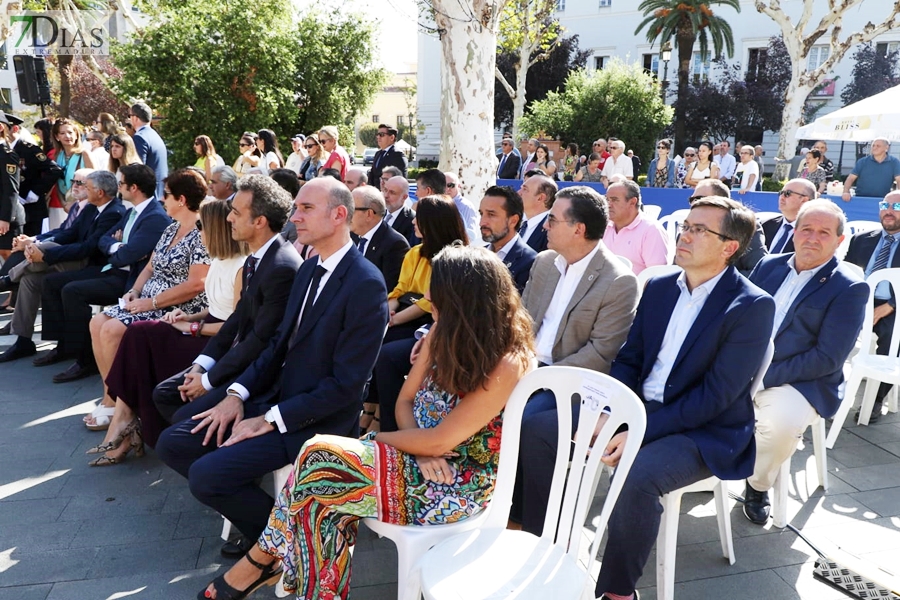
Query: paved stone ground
(71, 532)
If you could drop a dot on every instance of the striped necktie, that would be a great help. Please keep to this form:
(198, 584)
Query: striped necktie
(884, 254)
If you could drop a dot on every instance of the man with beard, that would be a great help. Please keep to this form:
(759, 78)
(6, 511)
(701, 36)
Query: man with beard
(501, 217)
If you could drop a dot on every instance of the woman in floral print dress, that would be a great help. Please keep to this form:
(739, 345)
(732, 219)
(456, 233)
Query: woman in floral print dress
(438, 468)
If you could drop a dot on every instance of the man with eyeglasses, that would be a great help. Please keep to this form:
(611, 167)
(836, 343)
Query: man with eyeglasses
(374, 238)
(599, 146)
(873, 251)
(223, 184)
(399, 215)
(746, 175)
(58, 251)
(510, 163)
(617, 163)
(387, 155)
(779, 231)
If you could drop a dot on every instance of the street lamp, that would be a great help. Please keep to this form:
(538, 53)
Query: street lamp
(665, 53)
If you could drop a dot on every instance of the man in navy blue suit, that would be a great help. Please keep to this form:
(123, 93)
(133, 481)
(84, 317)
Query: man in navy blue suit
(501, 217)
(698, 339)
(537, 193)
(150, 147)
(308, 381)
(819, 309)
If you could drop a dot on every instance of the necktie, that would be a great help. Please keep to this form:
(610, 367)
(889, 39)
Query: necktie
(73, 214)
(502, 162)
(389, 217)
(125, 233)
(361, 245)
(881, 260)
(785, 236)
(523, 229)
(310, 299)
(249, 268)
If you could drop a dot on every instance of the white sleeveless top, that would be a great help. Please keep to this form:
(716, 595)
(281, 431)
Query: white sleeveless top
(220, 285)
(702, 173)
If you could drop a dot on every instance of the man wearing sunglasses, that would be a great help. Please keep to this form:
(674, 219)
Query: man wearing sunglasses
(873, 251)
(779, 231)
(387, 155)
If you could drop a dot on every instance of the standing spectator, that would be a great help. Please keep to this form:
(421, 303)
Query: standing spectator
(267, 144)
(746, 174)
(570, 163)
(814, 171)
(10, 226)
(509, 161)
(635, 162)
(877, 173)
(387, 155)
(36, 178)
(599, 146)
(617, 163)
(661, 172)
(529, 160)
(338, 157)
(208, 160)
(758, 153)
(70, 155)
(250, 157)
(316, 155)
(592, 171)
(825, 163)
(106, 124)
(121, 153)
(99, 155)
(704, 167)
(630, 233)
(542, 161)
(727, 163)
(298, 154)
(150, 147)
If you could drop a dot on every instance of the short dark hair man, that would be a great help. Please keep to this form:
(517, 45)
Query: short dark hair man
(150, 147)
(501, 217)
(387, 155)
(431, 181)
(629, 233)
(757, 248)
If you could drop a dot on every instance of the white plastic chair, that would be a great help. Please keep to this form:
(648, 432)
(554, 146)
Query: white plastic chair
(780, 489)
(626, 261)
(412, 542)
(672, 223)
(764, 216)
(655, 271)
(854, 227)
(652, 211)
(667, 538)
(494, 562)
(867, 364)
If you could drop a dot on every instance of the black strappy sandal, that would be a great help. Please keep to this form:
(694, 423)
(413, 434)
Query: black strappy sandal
(269, 576)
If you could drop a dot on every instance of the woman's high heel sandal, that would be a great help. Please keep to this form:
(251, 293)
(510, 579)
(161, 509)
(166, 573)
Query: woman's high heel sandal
(269, 576)
(115, 443)
(135, 442)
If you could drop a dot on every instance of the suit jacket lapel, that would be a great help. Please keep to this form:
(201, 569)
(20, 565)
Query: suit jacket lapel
(326, 296)
(718, 300)
(658, 320)
(822, 276)
(549, 287)
(588, 279)
(373, 244)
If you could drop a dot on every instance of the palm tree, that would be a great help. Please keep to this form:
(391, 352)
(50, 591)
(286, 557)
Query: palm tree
(685, 21)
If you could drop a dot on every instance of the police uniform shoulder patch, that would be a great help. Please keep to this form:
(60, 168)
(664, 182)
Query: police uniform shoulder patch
(41, 156)
(11, 169)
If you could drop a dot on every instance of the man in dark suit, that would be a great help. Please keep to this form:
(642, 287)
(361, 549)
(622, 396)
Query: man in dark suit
(67, 297)
(399, 216)
(258, 213)
(538, 193)
(387, 156)
(779, 231)
(150, 147)
(378, 241)
(308, 381)
(510, 162)
(501, 216)
(67, 250)
(37, 176)
(872, 251)
(697, 341)
(819, 309)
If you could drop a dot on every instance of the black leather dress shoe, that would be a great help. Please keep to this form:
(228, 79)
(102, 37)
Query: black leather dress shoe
(236, 549)
(74, 373)
(876, 413)
(6, 329)
(51, 358)
(756, 505)
(5, 284)
(22, 348)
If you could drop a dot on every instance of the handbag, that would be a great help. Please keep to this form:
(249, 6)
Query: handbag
(408, 299)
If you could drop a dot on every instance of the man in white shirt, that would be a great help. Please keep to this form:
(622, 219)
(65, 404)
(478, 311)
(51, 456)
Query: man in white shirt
(537, 193)
(746, 175)
(779, 231)
(530, 158)
(723, 157)
(399, 215)
(617, 163)
(467, 210)
(295, 160)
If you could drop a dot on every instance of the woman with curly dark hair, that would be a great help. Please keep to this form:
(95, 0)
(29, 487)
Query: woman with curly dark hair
(441, 465)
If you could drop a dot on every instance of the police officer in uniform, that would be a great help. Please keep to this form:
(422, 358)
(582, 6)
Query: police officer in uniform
(37, 174)
(10, 224)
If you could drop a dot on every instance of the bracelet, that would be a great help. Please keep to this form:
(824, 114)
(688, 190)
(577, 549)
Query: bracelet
(155, 307)
(133, 291)
(195, 329)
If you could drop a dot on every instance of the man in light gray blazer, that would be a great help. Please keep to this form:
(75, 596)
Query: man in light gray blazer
(583, 300)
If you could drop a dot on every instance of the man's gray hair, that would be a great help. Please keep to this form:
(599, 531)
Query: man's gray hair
(372, 198)
(360, 176)
(401, 180)
(823, 206)
(632, 190)
(227, 175)
(142, 111)
(340, 195)
(810, 188)
(269, 200)
(882, 139)
(618, 144)
(392, 171)
(105, 182)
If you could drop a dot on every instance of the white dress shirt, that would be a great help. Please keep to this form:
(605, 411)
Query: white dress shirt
(683, 316)
(788, 291)
(502, 252)
(570, 277)
(532, 223)
(782, 233)
(367, 236)
(622, 166)
(138, 209)
(727, 165)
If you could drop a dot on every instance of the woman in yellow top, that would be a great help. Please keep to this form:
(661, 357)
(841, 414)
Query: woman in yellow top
(437, 224)
(208, 159)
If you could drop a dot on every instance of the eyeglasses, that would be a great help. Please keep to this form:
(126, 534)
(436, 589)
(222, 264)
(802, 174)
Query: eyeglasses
(661, 148)
(746, 152)
(199, 225)
(553, 221)
(689, 155)
(167, 193)
(888, 205)
(597, 145)
(701, 230)
(243, 144)
(382, 134)
(363, 208)
(325, 139)
(789, 193)
(78, 182)
(451, 185)
(307, 146)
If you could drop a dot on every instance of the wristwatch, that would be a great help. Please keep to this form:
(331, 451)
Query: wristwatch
(270, 418)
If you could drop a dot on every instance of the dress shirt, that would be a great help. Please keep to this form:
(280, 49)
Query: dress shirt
(330, 264)
(883, 290)
(469, 218)
(783, 234)
(570, 277)
(683, 316)
(644, 242)
(367, 237)
(502, 252)
(207, 362)
(622, 166)
(138, 209)
(531, 224)
(392, 215)
(788, 291)
(727, 165)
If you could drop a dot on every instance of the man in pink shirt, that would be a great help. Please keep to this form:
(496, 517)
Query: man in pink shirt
(632, 234)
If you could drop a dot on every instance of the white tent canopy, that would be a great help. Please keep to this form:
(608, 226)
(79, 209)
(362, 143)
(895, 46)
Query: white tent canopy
(863, 121)
(403, 146)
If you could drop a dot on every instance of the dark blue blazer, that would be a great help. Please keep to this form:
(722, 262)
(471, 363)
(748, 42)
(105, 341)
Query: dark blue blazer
(152, 151)
(818, 332)
(538, 239)
(519, 260)
(318, 381)
(707, 394)
(81, 240)
(145, 233)
(862, 246)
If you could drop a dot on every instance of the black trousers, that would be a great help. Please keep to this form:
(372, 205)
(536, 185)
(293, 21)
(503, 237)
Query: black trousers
(167, 398)
(390, 372)
(883, 329)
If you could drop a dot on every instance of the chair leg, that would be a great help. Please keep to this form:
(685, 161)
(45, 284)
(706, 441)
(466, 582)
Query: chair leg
(893, 404)
(865, 409)
(780, 494)
(723, 516)
(666, 545)
(226, 529)
(850, 391)
(819, 448)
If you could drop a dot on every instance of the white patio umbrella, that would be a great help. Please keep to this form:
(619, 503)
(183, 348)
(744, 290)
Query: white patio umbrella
(863, 121)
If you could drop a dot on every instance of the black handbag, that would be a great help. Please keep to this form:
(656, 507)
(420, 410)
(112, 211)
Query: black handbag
(408, 299)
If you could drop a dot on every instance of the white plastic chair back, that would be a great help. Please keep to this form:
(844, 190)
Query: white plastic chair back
(764, 216)
(854, 227)
(626, 261)
(856, 269)
(893, 277)
(672, 222)
(655, 271)
(652, 211)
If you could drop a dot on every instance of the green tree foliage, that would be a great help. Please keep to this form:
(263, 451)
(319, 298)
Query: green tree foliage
(873, 73)
(367, 135)
(219, 68)
(620, 100)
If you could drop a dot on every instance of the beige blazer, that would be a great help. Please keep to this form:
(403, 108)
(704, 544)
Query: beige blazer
(596, 322)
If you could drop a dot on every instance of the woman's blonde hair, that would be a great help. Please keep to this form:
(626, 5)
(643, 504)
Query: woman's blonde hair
(217, 231)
